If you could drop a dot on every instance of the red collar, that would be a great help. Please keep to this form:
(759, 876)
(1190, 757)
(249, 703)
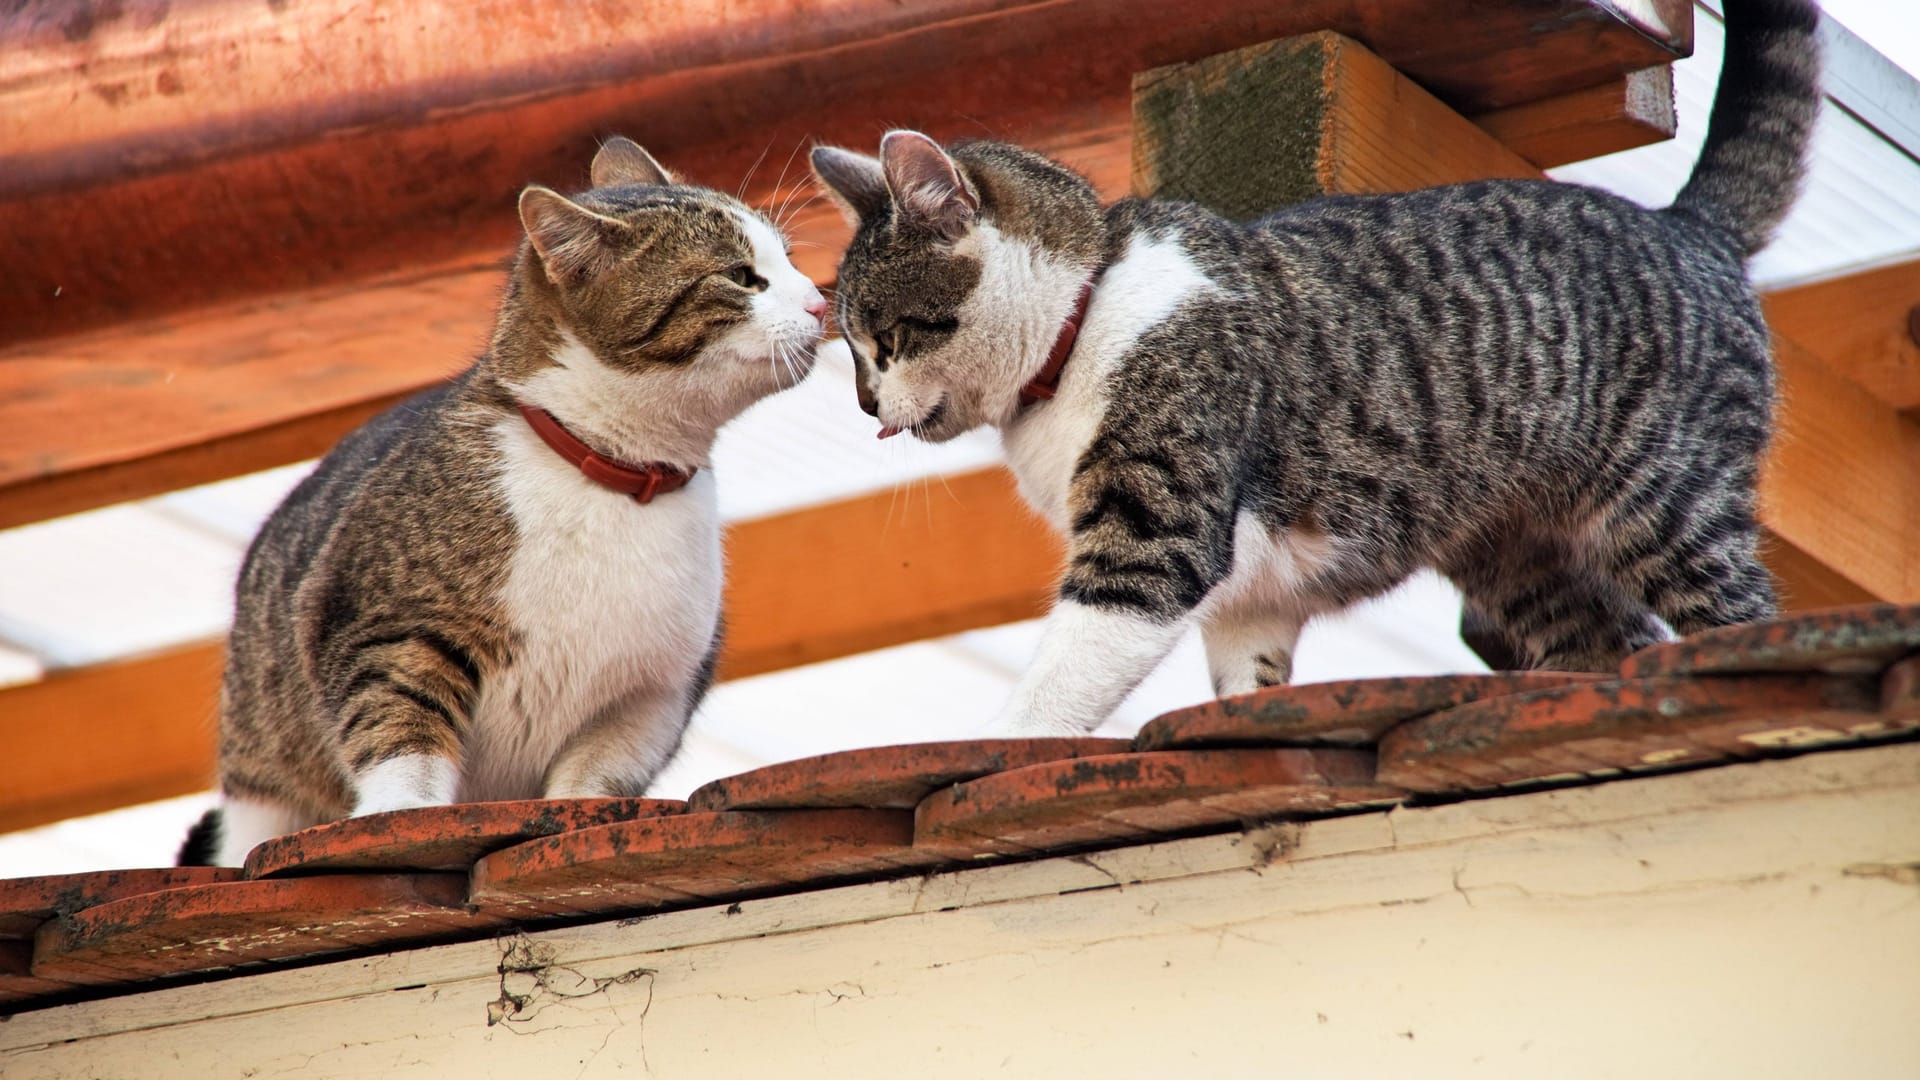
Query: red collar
(1047, 383)
(642, 482)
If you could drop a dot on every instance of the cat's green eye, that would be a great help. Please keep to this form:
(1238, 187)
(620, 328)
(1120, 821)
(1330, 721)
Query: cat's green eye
(743, 276)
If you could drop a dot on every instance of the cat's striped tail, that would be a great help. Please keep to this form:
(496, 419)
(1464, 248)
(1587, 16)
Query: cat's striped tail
(202, 845)
(1763, 113)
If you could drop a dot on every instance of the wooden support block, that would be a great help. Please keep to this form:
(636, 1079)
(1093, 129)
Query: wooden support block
(804, 586)
(1634, 110)
(1804, 582)
(1842, 483)
(1258, 128)
(1862, 324)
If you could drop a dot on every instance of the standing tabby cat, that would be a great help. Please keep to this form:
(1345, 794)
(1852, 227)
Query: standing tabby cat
(472, 598)
(1553, 396)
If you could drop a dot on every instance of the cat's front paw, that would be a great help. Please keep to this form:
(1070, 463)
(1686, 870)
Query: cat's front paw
(382, 806)
(408, 782)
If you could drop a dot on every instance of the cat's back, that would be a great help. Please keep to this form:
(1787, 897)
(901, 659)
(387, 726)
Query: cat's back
(1516, 237)
(357, 489)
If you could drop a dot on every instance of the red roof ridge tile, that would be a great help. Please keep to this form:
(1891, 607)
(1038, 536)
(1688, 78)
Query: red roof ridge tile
(1838, 677)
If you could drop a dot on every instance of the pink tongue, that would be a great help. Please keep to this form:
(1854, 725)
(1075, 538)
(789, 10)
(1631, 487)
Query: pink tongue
(889, 432)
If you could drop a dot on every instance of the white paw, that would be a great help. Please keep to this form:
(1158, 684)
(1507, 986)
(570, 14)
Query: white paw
(381, 806)
(406, 783)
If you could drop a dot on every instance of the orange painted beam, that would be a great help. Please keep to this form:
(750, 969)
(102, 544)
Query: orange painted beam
(1864, 324)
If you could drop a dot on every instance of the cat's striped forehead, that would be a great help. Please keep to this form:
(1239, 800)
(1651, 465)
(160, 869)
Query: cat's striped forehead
(666, 296)
(676, 212)
(887, 276)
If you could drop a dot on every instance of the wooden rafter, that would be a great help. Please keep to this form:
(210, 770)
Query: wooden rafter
(1862, 324)
(1634, 110)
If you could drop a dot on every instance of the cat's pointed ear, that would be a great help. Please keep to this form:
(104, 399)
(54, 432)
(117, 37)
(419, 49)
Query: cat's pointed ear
(573, 242)
(622, 161)
(853, 181)
(927, 186)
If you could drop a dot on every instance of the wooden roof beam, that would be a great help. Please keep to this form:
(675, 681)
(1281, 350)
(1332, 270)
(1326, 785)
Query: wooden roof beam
(1634, 110)
(1864, 324)
(168, 156)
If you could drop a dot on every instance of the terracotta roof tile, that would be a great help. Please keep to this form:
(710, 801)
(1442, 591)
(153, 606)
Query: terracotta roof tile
(884, 777)
(1842, 641)
(198, 928)
(25, 903)
(1830, 678)
(1126, 797)
(1590, 729)
(690, 858)
(439, 837)
(1352, 712)
(17, 982)
(1900, 692)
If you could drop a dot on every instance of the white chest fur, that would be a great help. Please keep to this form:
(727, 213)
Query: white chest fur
(610, 599)
(1137, 293)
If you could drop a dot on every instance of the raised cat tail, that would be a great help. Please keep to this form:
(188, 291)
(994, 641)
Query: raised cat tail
(1755, 157)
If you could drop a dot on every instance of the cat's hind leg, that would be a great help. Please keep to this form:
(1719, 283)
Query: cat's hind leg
(1556, 609)
(1488, 639)
(1250, 649)
(1696, 562)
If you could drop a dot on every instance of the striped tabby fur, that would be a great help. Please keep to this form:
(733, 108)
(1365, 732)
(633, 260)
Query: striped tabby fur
(1553, 396)
(446, 610)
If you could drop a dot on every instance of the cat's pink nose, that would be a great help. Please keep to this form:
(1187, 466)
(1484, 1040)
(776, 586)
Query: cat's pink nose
(817, 307)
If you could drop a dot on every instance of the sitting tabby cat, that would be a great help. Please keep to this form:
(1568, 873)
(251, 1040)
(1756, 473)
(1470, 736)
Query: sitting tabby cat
(1551, 395)
(509, 586)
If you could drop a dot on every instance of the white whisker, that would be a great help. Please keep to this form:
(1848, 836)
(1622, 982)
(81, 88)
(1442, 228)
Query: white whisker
(741, 194)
